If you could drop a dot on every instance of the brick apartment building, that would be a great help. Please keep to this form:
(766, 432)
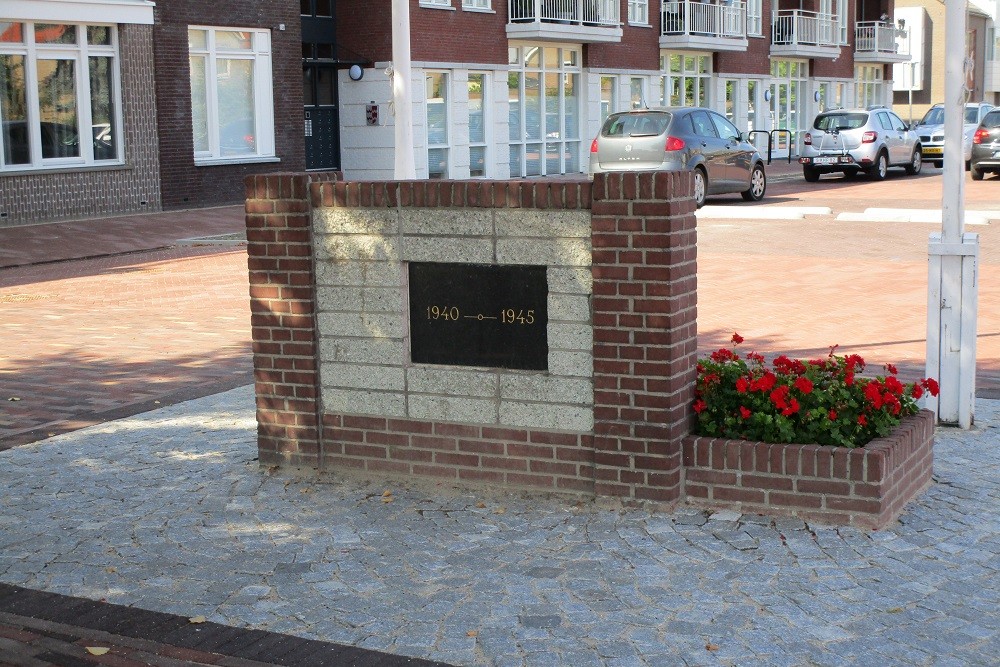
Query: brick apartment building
(124, 106)
(178, 101)
(520, 87)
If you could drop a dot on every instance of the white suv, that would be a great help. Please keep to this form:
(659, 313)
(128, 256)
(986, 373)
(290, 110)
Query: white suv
(855, 140)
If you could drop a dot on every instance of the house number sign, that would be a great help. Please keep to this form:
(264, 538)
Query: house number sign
(479, 315)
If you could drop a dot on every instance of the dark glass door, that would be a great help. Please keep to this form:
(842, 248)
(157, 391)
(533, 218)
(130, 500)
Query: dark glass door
(319, 84)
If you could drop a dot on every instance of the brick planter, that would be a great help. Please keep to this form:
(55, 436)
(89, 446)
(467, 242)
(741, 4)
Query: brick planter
(865, 487)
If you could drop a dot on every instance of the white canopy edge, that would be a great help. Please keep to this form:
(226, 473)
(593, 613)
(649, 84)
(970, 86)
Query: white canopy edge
(78, 11)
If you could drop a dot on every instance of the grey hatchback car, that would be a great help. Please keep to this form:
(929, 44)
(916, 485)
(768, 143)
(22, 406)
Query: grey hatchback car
(681, 139)
(854, 140)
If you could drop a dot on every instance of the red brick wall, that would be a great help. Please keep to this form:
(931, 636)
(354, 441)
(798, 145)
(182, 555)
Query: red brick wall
(644, 340)
(645, 330)
(638, 49)
(183, 184)
(866, 487)
(282, 320)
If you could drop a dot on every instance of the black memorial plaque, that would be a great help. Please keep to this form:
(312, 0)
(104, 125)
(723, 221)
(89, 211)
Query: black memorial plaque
(479, 315)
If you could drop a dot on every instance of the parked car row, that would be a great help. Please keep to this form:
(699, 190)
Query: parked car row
(848, 141)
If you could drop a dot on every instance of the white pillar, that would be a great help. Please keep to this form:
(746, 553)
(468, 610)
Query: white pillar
(952, 291)
(402, 101)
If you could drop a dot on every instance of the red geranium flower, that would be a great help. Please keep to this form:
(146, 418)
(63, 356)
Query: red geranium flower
(862, 420)
(742, 384)
(745, 413)
(917, 391)
(931, 385)
(737, 339)
(792, 408)
(699, 406)
(832, 415)
(804, 385)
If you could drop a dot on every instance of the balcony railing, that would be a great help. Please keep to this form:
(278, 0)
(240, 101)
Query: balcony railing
(794, 27)
(572, 12)
(686, 17)
(878, 41)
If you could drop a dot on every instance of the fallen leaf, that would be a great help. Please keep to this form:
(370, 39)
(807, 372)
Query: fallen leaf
(307, 489)
(894, 610)
(13, 398)
(472, 633)
(197, 619)
(97, 650)
(500, 510)
(387, 499)
(711, 647)
(480, 505)
(112, 569)
(386, 493)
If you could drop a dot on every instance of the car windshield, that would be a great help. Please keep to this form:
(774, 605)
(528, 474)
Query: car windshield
(840, 121)
(972, 115)
(934, 116)
(636, 125)
(992, 119)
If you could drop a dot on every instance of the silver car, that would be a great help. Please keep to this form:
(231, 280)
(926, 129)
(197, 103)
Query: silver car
(682, 139)
(931, 131)
(986, 147)
(856, 140)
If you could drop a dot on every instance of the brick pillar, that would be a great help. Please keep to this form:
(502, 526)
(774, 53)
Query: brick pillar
(282, 305)
(645, 331)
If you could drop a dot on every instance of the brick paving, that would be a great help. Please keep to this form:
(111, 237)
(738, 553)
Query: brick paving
(38, 629)
(168, 511)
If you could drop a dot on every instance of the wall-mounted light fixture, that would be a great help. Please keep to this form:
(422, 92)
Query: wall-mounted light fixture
(815, 96)
(767, 94)
(355, 72)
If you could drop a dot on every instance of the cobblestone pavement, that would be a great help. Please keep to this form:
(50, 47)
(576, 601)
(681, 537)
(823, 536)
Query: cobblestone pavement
(169, 511)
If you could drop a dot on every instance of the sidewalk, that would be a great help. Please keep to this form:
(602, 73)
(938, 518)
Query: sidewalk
(169, 511)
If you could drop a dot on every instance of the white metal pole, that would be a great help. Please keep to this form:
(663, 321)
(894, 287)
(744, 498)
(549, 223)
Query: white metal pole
(953, 255)
(402, 101)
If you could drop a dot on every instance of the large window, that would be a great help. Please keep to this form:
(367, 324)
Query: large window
(232, 111)
(437, 124)
(868, 85)
(638, 11)
(544, 93)
(686, 79)
(59, 95)
(755, 13)
(479, 101)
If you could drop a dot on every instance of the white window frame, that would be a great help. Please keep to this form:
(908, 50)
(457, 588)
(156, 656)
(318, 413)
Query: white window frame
(80, 53)
(486, 142)
(436, 4)
(755, 18)
(476, 5)
(702, 80)
(612, 103)
(263, 95)
(638, 12)
(448, 130)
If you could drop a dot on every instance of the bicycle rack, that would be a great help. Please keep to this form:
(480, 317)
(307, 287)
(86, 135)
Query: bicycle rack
(771, 142)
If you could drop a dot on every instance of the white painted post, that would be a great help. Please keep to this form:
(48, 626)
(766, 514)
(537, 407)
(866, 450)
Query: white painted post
(953, 255)
(402, 102)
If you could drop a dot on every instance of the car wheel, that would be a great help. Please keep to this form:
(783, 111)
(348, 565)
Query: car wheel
(880, 168)
(811, 174)
(916, 162)
(758, 184)
(700, 187)
(939, 164)
(977, 174)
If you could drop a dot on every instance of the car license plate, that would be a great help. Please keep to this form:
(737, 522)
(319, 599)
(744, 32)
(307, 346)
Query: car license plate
(933, 150)
(824, 160)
